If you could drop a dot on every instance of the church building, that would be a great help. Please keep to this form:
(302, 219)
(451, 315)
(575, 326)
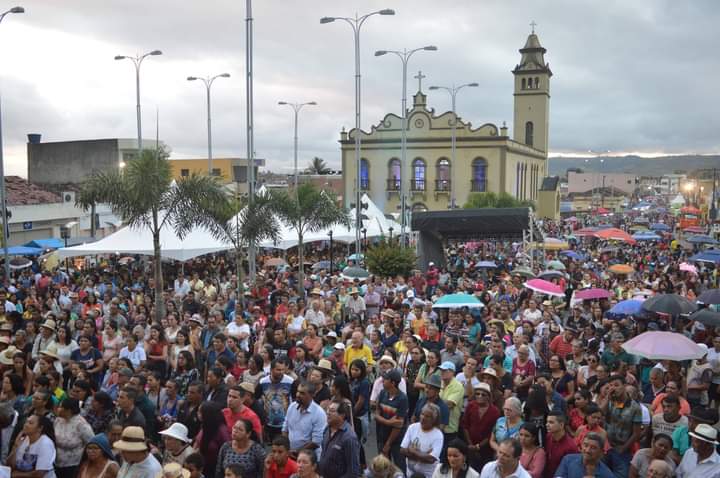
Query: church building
(487, 157)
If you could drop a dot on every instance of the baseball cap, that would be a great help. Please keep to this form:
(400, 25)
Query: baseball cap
(447, 365)
(393, 375)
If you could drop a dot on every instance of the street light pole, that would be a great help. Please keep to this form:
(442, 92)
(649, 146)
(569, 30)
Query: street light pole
(137, 61)
(356, 23)
(404, 183)
(453, 90)
(296, 108)
(330, 233)
(250, 131)
(208, 84)
(3, 197)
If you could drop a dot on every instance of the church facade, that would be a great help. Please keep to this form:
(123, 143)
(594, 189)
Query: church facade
(487, 157)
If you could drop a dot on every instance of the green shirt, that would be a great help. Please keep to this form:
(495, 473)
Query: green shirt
(609, 358)
(453, 392)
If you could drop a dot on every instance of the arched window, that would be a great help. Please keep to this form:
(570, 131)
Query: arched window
(523, 83)
(417, 182)
(529, 130)
(442, 175)
(517, 180)
(419, 207)
(364, 174)
(394, 174)
(537, 82)
(479, 175)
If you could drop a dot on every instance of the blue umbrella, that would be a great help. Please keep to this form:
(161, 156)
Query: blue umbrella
(659, 226)
(354, 257)
(646, 236)
(486, 265)
(626, 307)
(712, 255)
(572, 255)
(701, 239)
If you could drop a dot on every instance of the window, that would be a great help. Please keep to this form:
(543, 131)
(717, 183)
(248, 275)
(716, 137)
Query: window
(479, 175)
(394, 174)
(364, 174)
(184, 173)
(442, 175)
(216, 172)
(418, 177)
(529, 133)
(523, 83)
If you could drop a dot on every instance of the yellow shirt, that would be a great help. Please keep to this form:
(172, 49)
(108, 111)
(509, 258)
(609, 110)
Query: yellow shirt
(453, 392)
(364, 353)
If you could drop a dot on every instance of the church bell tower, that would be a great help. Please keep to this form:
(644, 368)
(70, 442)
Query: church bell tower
(532, 95)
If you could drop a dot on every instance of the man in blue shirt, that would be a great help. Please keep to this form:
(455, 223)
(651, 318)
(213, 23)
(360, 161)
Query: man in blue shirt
(588, 462)
(305, 421)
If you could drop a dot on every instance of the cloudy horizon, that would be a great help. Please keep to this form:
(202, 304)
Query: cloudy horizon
(628, 76)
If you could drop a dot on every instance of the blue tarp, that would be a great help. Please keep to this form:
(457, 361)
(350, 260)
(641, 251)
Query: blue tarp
(712, 255)
(50, 243)
(23, 251)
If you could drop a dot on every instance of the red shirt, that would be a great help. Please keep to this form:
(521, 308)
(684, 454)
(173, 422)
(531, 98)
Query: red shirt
(247, 414)
(556, 451)
(559, 347)
(289, 469)
(479, 428)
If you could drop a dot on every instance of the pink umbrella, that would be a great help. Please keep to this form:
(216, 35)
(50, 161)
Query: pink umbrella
(657, 345)
(688, 268)
(545, 287)
(593, 294)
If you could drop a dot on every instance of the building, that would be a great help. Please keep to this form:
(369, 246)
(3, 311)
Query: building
(229, 170)
(548, 203)
(69, 162)
(588, 182)
(488, 157)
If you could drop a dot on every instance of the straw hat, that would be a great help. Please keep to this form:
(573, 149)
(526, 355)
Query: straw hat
(7, 355)
(51, 352)
(177, 431)
(173, 470)
(490, 373)
(49, 324)
(316, 291)
(706, 433)
(132, 439)
(389, 359)
(324, 365)
(248, 387)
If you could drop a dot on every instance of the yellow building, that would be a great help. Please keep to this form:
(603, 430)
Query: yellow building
(487, 157)
(230, 170)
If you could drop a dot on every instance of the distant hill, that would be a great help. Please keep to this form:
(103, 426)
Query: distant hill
(635, 164)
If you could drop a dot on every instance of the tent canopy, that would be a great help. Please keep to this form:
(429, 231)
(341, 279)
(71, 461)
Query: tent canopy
(23, 251)
(49, 243)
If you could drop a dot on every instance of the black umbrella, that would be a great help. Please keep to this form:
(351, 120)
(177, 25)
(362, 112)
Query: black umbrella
(707, 317)
(710, 297)
(671, 304)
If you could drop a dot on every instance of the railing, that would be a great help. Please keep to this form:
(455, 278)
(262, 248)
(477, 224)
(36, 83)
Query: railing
(364, 184)
(478, 186)
(417, 185)
(442, 185)
(393, 185)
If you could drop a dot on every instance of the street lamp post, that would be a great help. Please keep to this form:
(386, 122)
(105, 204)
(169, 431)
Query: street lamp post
(296, 108)
(137, 61)
(208, 83)
(3, 197)
(330, 233)
(404, 58)
(391, 231)
(453, 90)
(356, 23)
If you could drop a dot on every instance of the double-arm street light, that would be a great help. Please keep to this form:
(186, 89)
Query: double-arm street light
(137, 61)
(356, 23)
(404, 56)
(3, 197)
(296, 108)
(453, 90)
(208, 81)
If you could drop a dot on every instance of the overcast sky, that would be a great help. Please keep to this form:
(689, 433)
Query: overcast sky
(635, 76)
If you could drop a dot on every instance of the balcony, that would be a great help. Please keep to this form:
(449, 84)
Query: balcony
(393, 185)
(364, 184)
(478, 186)
(442, 185)
(417, 185)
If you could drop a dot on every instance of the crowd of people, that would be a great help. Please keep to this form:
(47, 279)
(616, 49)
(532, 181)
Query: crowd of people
(341, 378)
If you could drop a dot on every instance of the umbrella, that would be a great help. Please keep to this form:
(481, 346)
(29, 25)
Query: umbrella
(707, 317)
(20, 263)
(641, 220)
(656, 345)
(275, 262)
(321, 265)
(712, 256)
(456, 301)
(659, 226)
(646, 236)
(571, 219)
(670, 304)
(572, 255)
(524, 272)
(685, 267)
(609, 250)
(586, 231)
(49, 261)
(695, 229)
(614, 234)
(627, 307)
(352, 273)
(556, 265)
(639, 228)
(702, 239)
(621, 269)
(593, 294)
(125, 260)
(545, 287)
(486, 265)
(354, 257)
(710, 297)
(549, 274)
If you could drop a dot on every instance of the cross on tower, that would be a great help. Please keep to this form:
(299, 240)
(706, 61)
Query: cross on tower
(419, 77)
(533, 25)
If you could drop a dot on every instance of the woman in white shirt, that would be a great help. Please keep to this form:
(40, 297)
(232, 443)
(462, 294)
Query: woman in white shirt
(34, 448)
(423, 442)
(455, 465)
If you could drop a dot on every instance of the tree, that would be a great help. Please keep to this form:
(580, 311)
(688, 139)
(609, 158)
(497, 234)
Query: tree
(144, 195)
(492, 200)
(242, 223)
(307, 210)
(388, 259)
(317, 166)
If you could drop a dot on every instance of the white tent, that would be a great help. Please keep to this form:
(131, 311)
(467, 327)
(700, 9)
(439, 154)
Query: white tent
(139, 241)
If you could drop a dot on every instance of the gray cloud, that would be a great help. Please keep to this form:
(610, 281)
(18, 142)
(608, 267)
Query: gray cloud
(634, 76)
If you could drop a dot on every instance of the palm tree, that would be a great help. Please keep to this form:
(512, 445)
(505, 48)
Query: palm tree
(144, 195)
(305, 211)
(242, 223)
(317, 166)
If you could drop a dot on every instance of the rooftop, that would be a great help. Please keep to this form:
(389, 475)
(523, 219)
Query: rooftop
(20, 192)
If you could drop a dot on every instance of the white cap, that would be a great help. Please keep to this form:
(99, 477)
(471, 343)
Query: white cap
(430, 264)
(410, 294)
(340, 346)
(332, 333)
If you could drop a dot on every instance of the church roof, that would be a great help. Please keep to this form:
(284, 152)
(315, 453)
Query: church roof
(550, 183)
(532, 42)
(533, 56)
